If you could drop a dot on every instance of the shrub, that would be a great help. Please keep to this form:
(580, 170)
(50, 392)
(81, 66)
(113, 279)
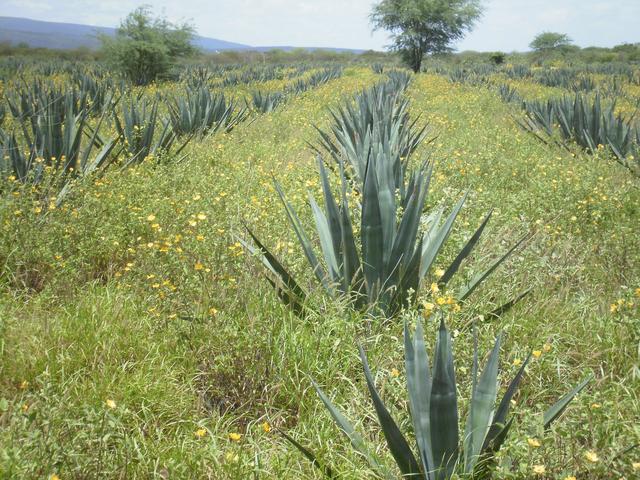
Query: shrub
(144, 48)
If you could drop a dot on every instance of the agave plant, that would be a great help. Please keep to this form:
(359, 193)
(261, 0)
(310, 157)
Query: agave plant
(30, 100)
(433, 401)
(198, 76)
(142, 134)
(378, 119)
(98, 90)
(557, 78)
(202, 112)
(399, 80)
(584, 84)
(588, 124)
(508, 93)
(267, 102)
(54, 135)
(397, 246)
(55, 175)
(631, 159)
(518, 72)
(394, 256)
(315, 79)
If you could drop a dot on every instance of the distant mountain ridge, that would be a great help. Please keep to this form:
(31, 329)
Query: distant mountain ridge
(64, 36)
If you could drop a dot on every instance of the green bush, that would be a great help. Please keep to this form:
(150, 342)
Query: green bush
(144, 48)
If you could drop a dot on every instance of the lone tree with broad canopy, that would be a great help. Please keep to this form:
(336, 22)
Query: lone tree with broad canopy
(549, 41)
(144, 48)
(420, 27)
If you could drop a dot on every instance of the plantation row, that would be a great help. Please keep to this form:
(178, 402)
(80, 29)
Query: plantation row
(64, 130)
(591, 121)
(380, 267)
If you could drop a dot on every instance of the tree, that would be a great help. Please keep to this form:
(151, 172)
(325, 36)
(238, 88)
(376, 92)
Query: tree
(419, 27)
(498, 58)
(546, 42)
(144, 48)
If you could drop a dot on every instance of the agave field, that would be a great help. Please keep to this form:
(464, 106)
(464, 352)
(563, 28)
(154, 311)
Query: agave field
(320, 271)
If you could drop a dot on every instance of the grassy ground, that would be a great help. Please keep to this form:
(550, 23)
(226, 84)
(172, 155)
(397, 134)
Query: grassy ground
(137, 338)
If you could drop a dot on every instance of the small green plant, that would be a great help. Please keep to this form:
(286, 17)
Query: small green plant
(433, 402)
(508, 93)
(142, 133)
(268, 101)
(202, 112)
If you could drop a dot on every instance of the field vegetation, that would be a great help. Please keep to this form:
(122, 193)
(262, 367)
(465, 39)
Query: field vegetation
(193, 272)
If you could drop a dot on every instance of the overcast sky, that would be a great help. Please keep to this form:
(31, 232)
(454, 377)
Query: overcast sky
(506, 24)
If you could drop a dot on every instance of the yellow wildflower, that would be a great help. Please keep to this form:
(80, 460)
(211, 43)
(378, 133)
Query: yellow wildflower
(533, 442)
(151, 218)
(435, 288)
(592, 456)
(201, 432)
(266, 428)
(235, 437)
(110, 403)
(537, 353)
(202, 216)
(199, 266)
(395, 372)
(539, 469)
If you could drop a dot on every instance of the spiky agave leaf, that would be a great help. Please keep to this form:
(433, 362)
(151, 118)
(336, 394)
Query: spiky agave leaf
(434, 414)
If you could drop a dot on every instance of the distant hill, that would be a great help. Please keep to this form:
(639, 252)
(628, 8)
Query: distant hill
(63, 36)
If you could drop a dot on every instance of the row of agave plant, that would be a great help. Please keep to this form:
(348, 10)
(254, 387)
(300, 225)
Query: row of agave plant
(265, 102)
(588, 123)
(612, 86)
(263, 73)
(369, 148)
(58, 129)
(61, 130)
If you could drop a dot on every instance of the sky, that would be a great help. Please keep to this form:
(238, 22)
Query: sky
(507, 25)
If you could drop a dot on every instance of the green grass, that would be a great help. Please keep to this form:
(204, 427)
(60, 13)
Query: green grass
(135, 291)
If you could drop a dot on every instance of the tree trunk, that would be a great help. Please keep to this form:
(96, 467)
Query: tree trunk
(416, 61)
